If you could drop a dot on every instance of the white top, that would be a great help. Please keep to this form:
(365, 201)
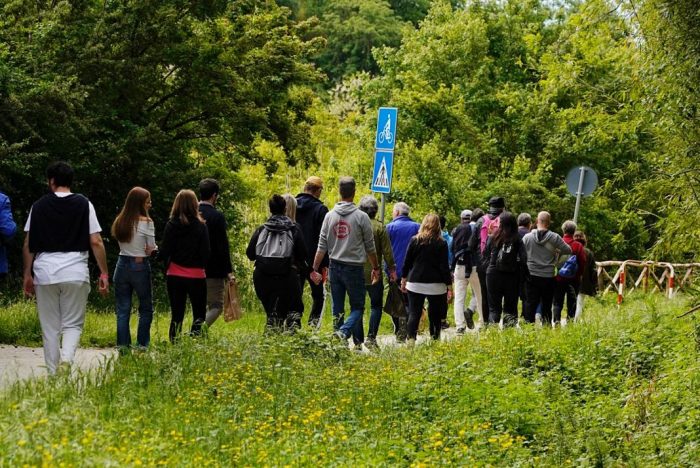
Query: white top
(429, 289)
(63, 267)
(144, 234)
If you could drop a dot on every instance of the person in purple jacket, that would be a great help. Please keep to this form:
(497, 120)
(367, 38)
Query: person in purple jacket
(401, 230)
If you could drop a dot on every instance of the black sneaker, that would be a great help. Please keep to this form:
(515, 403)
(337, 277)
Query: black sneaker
(460, 331)
(445, 325)
(469, 317)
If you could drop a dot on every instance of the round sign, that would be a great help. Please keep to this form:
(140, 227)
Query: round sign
(589, 183)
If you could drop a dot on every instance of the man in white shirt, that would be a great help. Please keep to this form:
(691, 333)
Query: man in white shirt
(61, 228)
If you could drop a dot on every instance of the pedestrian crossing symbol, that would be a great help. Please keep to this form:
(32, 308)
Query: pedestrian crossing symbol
(383, 167)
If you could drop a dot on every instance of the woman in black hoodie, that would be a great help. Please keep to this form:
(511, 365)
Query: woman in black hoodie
(277, 247)
(185, 248)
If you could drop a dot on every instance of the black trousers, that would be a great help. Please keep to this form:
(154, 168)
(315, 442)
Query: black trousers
(278, 294)
(565, 290)
(179, 289)
(316, 297)
(484, 291)
(504, 289)
(437, 310)
(539, 290)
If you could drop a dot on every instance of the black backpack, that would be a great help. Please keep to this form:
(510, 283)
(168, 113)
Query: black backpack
(507, 257)
(274, 251)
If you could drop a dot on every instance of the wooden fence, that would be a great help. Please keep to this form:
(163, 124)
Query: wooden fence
(645, 275)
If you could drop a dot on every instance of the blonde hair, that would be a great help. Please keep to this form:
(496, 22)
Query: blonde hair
(290, 209)
(429, 229)
(186, 208)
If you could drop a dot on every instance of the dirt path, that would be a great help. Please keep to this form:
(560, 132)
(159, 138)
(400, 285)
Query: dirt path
(19, 362)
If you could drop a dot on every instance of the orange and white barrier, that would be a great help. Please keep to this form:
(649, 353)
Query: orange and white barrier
(660, 275)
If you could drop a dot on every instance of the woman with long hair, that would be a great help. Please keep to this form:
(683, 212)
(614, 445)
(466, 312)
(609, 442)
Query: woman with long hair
(297, 303)
(426, 275)
(134, 231)
(505, 262)
(185, 248)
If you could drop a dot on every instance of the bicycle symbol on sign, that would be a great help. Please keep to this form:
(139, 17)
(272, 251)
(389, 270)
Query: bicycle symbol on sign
(386, 135)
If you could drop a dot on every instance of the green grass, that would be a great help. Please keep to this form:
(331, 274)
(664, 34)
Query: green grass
(620, 389)
(19, 322)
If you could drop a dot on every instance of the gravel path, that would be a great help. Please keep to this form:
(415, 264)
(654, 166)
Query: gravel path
(19, 362)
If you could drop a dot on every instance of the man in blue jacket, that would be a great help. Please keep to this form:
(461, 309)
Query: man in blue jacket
(401, 230)
(7, 231)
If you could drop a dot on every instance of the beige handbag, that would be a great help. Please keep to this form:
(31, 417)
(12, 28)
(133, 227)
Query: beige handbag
(232, 301)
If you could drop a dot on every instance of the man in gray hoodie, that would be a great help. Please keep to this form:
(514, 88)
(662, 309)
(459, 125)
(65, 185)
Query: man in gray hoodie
(543, 248)
(347, 236)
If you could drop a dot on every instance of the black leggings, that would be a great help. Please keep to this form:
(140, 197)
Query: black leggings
(178, 290)
(437, 310)
(278, 293)
(503, 289)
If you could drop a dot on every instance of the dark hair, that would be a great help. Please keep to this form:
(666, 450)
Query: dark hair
(346, 187)
(507, 230)
(443, 222)
(61, 172)
(277, 204)
(476, 214)
(208, 188)
(524, 219)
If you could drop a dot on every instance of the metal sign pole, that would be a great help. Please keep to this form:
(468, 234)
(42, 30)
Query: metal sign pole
(579, 192)
(381, 208)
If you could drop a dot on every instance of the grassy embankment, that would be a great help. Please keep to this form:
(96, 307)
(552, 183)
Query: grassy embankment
(620, 389)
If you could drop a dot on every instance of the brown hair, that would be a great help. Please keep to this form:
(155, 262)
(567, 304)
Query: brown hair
(134, 208)
(185, 207)
(581, 237)
(429, 229)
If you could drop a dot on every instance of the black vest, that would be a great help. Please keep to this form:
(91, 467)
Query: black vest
(60, 224)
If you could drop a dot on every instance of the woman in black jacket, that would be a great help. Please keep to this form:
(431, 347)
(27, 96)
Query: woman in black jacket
(505, 262)
(426, 274)
(277, 247)
(185, 248)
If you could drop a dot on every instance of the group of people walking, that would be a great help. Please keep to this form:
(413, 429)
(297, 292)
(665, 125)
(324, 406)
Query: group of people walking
(62, 228)
(499, 257)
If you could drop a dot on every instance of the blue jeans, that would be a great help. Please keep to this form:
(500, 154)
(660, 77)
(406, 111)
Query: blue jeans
(348, 279)
(376, 296)
(130, 277)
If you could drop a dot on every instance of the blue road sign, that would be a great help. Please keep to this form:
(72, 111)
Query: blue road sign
(383, 169)
(386, 129)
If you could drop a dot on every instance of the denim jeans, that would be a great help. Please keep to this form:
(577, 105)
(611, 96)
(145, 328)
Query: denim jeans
(130, 277)
(348, 279)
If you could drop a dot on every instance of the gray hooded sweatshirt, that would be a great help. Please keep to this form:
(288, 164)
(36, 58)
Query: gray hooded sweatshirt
(542, 249)
(347, 235)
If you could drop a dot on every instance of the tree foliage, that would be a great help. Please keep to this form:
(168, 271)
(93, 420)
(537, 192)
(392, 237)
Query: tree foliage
(134, 92)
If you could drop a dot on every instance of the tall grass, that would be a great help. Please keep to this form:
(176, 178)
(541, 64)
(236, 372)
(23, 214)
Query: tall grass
(620, 389)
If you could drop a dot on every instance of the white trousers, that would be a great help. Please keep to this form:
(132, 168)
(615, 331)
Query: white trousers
(61, 309)
(580, 300)
(460, 286)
